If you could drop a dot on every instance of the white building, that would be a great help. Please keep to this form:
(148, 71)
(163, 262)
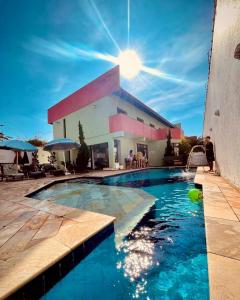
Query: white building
(222, 114)
(113, 122)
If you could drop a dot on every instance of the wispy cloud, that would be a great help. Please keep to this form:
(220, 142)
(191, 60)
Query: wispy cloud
(58, 49)
(187, 115)
(59, 84)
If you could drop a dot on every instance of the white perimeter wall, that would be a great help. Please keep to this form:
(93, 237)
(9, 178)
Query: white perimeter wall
(224, 90)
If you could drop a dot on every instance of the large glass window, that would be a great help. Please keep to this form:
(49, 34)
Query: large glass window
(142, 148)
(100, 157)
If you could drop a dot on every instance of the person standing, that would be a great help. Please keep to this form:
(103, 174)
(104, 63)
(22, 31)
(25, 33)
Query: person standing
(209, 152)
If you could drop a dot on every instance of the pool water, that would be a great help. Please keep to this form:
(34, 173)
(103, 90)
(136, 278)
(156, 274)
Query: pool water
(164, 257)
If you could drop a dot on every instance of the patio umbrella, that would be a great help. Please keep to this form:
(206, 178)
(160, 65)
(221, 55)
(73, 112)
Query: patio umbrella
(61, 145)
(17, 145)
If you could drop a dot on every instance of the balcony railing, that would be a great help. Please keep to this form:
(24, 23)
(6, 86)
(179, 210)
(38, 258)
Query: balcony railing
(121, 122)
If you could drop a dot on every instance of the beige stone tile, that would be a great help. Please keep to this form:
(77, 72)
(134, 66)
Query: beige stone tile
(73, 234)
(7, 232)
(223, 237)
(49, 228)
(224, 277)
(58, 210)
(9, 209)
(211, 210)
(35, 222)
(87, 216)
(237, 211)
(216, 202)
(16, 244)
(235, 204)
(28, 264)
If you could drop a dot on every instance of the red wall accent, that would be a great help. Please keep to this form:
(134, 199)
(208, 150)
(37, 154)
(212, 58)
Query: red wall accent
(104, 85)
(121, 122)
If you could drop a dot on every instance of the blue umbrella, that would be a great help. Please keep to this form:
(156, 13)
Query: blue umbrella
(61, 145)
(17, 145)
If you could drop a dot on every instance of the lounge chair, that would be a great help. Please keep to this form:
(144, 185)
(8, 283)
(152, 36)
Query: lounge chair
(10, 172)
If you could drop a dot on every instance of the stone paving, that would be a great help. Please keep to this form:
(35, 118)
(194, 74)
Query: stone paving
(222, 220)
(35, 234)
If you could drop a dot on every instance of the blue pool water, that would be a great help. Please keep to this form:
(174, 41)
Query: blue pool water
(164, 257)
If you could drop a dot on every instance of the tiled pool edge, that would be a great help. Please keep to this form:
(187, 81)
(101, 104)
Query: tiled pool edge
(12, 284)
(222, 234)
(43, 282)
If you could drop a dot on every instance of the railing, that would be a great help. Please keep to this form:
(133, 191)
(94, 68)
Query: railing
(121, 122)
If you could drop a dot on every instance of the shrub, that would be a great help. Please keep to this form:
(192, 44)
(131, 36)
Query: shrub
(83, 152)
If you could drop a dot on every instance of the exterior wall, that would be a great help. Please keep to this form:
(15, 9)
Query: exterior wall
(94, 120)
(224, 91)
(104, 85)
(134, 112)
(156, 153)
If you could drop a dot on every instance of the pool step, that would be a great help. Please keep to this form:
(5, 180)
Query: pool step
(87, 180)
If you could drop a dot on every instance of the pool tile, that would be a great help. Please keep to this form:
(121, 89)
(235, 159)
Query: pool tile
(38, 259)
(223, 237)
(223, 212)
(224, 277)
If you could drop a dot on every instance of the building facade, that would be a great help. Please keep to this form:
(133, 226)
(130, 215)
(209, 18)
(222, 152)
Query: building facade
(222, 113)
(114, 122)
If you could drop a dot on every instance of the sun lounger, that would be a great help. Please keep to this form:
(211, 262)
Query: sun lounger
(10, 172)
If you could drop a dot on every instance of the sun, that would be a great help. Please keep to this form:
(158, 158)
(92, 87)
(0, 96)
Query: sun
(130, 63)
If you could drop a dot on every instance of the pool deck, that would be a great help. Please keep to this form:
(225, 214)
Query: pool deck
(222, 220)
(35, 234)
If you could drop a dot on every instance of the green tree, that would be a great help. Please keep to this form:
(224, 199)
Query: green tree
(186, 145)
(83, 152)
(37, 142)
(169, 148)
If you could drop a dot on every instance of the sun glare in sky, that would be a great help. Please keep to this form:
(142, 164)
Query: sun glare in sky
(130, 63)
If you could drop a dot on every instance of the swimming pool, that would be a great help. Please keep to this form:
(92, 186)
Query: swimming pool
(164, 256)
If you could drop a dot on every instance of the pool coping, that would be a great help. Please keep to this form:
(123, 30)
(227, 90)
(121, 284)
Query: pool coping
(221, 202)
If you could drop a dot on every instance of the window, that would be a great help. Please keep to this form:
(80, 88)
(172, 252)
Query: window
(140, 120)
(99, 156)
(237, 52)
(121, 111)
(152, 125)
(142, 148)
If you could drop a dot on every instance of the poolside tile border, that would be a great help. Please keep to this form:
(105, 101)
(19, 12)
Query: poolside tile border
(221, 219)
(41, 284)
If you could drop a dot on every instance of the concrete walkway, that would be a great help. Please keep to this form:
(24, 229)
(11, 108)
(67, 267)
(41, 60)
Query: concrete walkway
(222, 220)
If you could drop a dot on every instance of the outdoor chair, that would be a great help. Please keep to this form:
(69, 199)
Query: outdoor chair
(10, 172)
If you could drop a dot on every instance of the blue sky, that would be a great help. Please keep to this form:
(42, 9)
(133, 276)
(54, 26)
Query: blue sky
(49, 49)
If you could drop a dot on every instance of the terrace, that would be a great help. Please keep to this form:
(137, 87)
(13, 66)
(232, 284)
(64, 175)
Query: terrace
(39, 234)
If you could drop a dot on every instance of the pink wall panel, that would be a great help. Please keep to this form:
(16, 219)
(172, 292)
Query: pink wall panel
(121, 122)
(104, 85)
